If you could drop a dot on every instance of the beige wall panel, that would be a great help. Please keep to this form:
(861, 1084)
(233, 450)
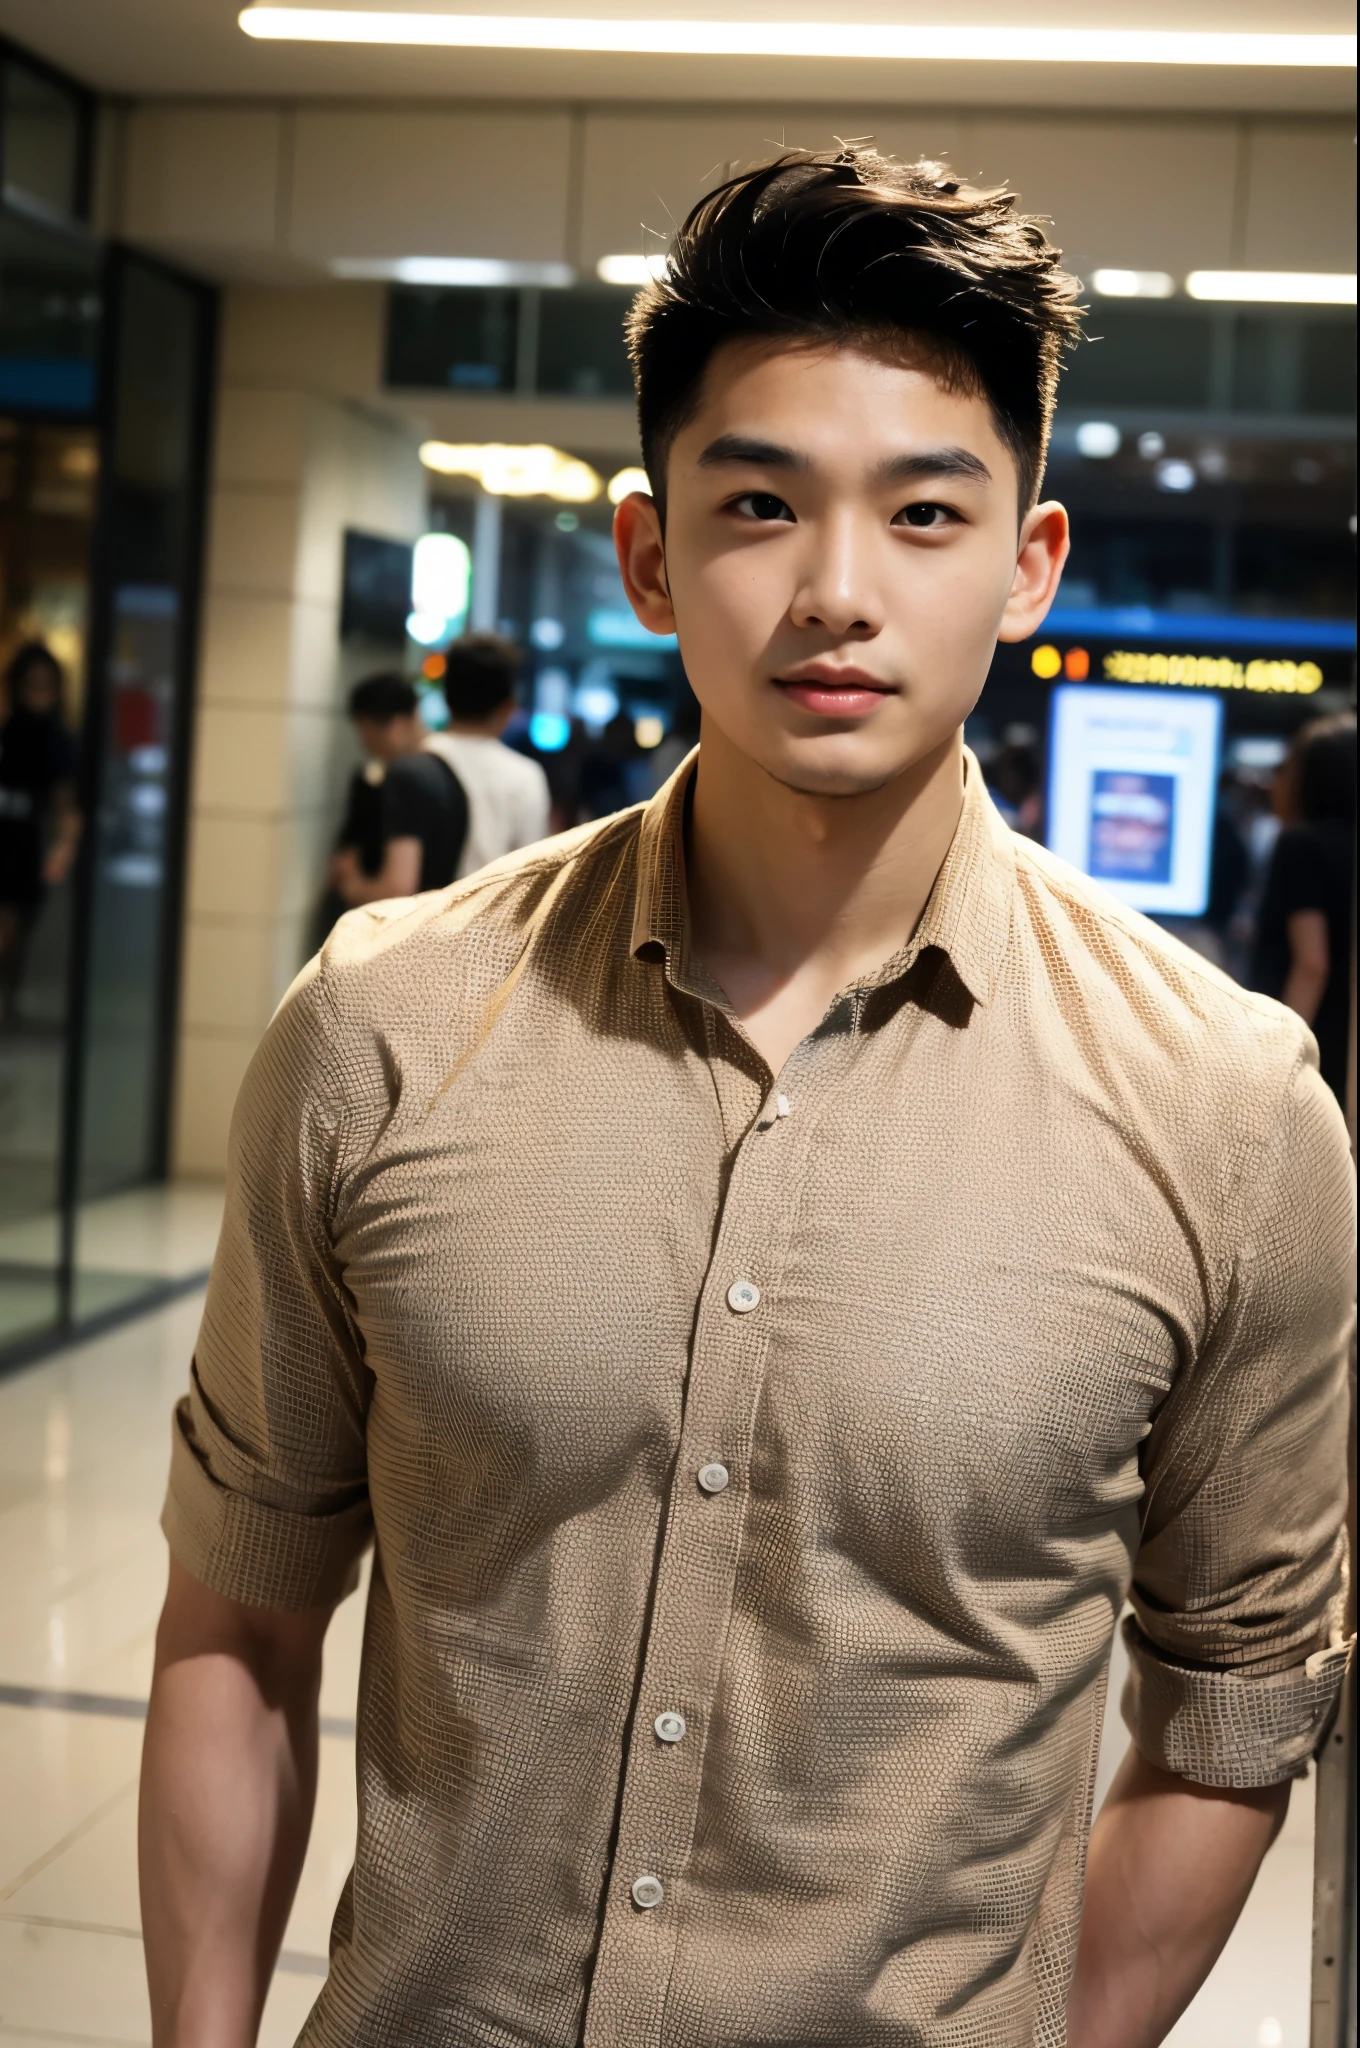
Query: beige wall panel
(203, 176)
(247, 650)
(1300, 198)
(244, 760)
(318, 338)
(648, 169)
(228, 975)
(1145, 195)
(430, 184)
(259, 436)
(237, 868)
(211, 1068)
(253, 540)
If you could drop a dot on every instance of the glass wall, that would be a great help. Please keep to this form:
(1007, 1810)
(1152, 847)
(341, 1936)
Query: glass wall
(105, 361)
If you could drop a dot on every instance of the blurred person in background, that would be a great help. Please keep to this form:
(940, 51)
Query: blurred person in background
(1303, 934)
(680, 741)
(508, 797)
(40, 824)
(610, 770)
(1015, 783)
(406, 818)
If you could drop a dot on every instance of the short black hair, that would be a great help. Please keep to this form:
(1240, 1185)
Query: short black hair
(479, 675)
(382, 698)
(31, 655)
(850, 245)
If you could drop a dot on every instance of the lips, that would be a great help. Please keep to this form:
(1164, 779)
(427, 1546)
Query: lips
(847, 695)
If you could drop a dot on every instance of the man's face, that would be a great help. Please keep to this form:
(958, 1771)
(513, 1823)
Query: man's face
(842, 549)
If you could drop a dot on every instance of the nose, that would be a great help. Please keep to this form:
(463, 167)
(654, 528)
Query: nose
(837, 587)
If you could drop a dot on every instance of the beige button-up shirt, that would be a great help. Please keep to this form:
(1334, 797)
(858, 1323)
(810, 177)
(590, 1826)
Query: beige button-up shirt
(758, 1465)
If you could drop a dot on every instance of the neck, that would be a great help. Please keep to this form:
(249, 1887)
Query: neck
(792, 891)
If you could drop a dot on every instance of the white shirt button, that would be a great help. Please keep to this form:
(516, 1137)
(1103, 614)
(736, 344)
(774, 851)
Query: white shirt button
(713, 1477)
(648, 1891)
(743, 1296)
(781, 1105)
(671, 1727)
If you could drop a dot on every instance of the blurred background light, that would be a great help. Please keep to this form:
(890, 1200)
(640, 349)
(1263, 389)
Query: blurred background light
(991, 44)
(427, 629)
(595, 703)
(441, 577)
(486, 271)
(1172, 474)
(1151, 445)
(508, 471)
(1274, 287)
(649, 730)
(547, 634)
(1098, 440)
(1133, 284)
(549, 731)
(617, 626)
(624, 482)
(634, 270)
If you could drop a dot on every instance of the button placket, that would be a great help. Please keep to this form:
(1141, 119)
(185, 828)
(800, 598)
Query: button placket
(695, 1580)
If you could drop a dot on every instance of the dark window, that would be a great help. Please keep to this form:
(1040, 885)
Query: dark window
(50, 305)
(1133, 561)
(1327, 372)
(580, 343)
(375, 600)
(1140, 358)
(451, 339)
(44, 145)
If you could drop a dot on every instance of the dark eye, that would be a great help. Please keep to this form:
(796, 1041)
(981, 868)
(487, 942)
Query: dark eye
(924, 515)
(763, 505)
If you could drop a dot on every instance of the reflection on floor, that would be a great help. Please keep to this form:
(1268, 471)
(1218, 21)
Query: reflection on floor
(125, 1246)
(83, 1451)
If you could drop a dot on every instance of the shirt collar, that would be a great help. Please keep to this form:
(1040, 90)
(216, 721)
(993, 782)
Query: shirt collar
(967, 914)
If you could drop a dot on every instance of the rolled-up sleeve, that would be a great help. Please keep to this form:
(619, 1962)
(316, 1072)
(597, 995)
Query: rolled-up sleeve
(1235, 1642)
(268, 1495)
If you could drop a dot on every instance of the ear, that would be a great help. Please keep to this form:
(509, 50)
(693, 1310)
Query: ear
(1045, 541)
(642, 561)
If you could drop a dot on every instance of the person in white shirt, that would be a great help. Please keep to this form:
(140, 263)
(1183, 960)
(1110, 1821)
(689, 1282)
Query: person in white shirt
(507, 794)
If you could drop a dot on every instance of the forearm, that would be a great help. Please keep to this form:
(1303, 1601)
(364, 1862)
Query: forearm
(1303, 990)
(228, 1783)
(1169, 1870)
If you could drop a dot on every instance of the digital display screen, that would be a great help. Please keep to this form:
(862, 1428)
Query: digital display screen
(1132, 784)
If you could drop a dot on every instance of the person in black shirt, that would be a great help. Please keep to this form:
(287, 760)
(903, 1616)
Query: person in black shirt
(406, 817)
(37, 788)
(1303, 932)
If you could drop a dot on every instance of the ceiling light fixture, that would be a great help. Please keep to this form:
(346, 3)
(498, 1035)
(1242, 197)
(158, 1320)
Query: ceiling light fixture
(506, 471)
(1274, 287)
(718, 38)
(1133, 284)
(634, 270)
(455, 270)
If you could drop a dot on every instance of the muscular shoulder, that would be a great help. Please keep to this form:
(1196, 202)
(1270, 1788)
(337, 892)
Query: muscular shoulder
(388, 958)
(1160, 1030)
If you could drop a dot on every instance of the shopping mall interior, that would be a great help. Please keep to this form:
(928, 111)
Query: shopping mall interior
(312, 358)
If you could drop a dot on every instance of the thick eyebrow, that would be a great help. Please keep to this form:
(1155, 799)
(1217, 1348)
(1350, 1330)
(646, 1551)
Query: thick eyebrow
(743, 448)
(955, 462)
(746, 450)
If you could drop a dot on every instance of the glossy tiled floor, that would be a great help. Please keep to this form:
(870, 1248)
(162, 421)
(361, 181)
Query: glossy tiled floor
(83, 1449)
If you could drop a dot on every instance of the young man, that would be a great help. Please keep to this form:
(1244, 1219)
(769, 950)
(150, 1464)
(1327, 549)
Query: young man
(406, 816)
(508, 797)
(773, 1270)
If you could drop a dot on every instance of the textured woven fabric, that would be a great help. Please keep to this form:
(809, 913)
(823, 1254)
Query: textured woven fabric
(1046, 1259)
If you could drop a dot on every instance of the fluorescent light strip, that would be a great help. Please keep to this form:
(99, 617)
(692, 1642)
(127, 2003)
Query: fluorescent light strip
(1273, 287)
(473, 270)
(992, 44)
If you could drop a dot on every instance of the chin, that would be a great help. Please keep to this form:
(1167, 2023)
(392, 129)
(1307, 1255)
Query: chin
(826, 771)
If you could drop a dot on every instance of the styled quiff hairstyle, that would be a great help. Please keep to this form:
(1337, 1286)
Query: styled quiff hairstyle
(852, 246)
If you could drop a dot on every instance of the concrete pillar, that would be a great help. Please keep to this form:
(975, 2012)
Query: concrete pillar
(294, 466)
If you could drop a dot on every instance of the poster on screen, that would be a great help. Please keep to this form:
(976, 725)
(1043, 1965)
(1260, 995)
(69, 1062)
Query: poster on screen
(1132, 781)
